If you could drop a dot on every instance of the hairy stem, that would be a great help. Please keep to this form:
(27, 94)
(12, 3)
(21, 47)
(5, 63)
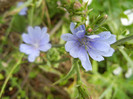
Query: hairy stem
(121, 41)
(77, 70)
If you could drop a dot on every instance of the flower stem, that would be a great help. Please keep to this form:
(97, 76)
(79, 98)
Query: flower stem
(9, 75)
(121, 41)
(57, 45)
(31, 15)
(77, 70)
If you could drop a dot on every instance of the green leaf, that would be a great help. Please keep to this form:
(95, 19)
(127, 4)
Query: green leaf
(106, 92)
(121, 95)
(124, 15)
(50, 96)
(1, 20)
(95, 66)
(83, 92)
(6, 97)
(32, 74)
(18, 24)
(129, 60)
(1, 77)
(69, 74)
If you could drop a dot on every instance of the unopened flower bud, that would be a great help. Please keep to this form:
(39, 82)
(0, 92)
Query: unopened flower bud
(106, 16)
(76, 18)
(89, 30)
(58, 3)
(101, 19)
(77, 5)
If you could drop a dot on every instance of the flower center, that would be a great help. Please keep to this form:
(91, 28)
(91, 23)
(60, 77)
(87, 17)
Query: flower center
(36, 45)
(83, 41)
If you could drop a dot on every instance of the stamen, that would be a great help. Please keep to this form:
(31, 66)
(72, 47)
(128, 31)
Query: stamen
(36, 45)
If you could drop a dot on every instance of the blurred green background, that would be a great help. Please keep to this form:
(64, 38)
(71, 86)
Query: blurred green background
(109, 79)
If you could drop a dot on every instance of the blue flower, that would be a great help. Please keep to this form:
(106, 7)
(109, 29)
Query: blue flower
(37, 40)
(22, 11)
(80, 45)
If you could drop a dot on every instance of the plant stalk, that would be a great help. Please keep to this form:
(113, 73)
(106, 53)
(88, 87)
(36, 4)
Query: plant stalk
(9, 75)
(121, 41)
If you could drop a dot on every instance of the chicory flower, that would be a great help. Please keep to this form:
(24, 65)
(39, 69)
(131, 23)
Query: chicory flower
(79, 45)
(36, 40)
(22, 11)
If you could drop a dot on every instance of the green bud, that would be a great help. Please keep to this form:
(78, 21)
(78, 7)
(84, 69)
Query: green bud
(77, 5)
(76, 18)
(58, 3)
(101, 19)
(83, 92)
(106, 16)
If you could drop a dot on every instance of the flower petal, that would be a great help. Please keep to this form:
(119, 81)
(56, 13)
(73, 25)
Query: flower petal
(31, 58)
(27, 49)
(30, 30)
(35, 33)
(44, 35)
(45, 47)
(69, 45)
(111, 40)
(37, 29)
(19, 4)
(75, 30)
(104, 35)
(44, 30)
(72, 27)
(107, 54)
(101, 46)
(68, 37)
(80, 28)
(80, 33)
(26, 38)
(75, 50)
(93, 36)
(94, 55)
(83, 56)
(44, 39)
(22, 12)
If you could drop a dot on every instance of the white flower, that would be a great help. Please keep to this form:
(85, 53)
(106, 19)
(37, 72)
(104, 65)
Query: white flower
(87, 20)
(128, 21)
(129, 73)
(117, 71)
(89, 1)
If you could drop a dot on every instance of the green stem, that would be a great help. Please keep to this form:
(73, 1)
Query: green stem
(69, 74)
(121, 41)
(31, 14)
(129, 60)
(106, 91)
(57, 45)
(9, 75)
(77, 70)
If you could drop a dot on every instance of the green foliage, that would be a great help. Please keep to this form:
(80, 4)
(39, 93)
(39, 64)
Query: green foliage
(17, 20)
(1, 77)
(73, 82)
